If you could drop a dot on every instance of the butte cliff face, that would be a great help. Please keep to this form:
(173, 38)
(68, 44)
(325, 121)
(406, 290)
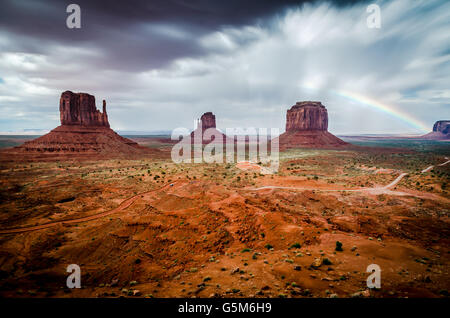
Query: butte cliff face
(441, 131)
(208, 120)
(304, 116)
(307, 126)
(207, 124)
(79, 109)
(442, 126)
(84, 132)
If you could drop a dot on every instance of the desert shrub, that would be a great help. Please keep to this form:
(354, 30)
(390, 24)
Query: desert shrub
(296, 245)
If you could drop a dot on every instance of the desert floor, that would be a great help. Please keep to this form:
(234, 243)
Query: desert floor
(153, 228)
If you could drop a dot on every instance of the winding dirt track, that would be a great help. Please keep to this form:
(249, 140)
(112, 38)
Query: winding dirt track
(127, 202)
(387, 187)
(122, 206)
(397, 180)
(377, 190)
(440, 165)
(443, 164)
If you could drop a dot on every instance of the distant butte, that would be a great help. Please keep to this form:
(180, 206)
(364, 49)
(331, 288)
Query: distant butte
(307, 127)
(207, 122)
(441, 131)
(84, 132)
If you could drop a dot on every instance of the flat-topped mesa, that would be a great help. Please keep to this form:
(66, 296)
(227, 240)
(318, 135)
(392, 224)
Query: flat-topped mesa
(307, 127)
(207, 132)
(208, 120)
(442, 126)
(441, 131)
(79, 109)
(307, 116)
(84, 133)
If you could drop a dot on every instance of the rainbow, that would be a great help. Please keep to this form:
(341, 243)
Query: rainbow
(390, 110)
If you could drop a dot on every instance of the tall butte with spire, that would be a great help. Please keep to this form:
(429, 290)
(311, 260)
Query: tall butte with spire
(307, 127)
(79, 109)
(207, 123)
(84, 132)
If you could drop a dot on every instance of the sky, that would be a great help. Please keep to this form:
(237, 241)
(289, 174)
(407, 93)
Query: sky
(161, 64)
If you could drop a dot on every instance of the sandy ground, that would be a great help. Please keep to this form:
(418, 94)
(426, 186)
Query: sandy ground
(150, 228)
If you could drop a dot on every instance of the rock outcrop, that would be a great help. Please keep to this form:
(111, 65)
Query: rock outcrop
(206, 131)
(208, 120)
(442, 126)
(79, 109)
(307, 126)
(306, 116)
(84, 133)
(441, 131)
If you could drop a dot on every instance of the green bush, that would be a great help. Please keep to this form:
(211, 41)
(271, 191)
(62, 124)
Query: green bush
(296, 245)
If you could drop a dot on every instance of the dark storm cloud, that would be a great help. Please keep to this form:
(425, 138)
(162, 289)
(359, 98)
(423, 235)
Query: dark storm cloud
(131, 35)
(161, 64)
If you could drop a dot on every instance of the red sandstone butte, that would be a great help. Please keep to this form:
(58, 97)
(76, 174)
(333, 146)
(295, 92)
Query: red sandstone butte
(79, 109)
(84, 133)
(304, 116)
(208, 120)
(441, 131)
(307, 127)
(207, 123)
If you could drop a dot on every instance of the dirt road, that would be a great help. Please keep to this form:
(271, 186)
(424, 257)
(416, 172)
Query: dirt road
(376, 190)
(127, 202)
(440, 165)
(122, 206)
(397, 180)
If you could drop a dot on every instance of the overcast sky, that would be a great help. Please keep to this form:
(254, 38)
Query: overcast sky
(161, 64)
